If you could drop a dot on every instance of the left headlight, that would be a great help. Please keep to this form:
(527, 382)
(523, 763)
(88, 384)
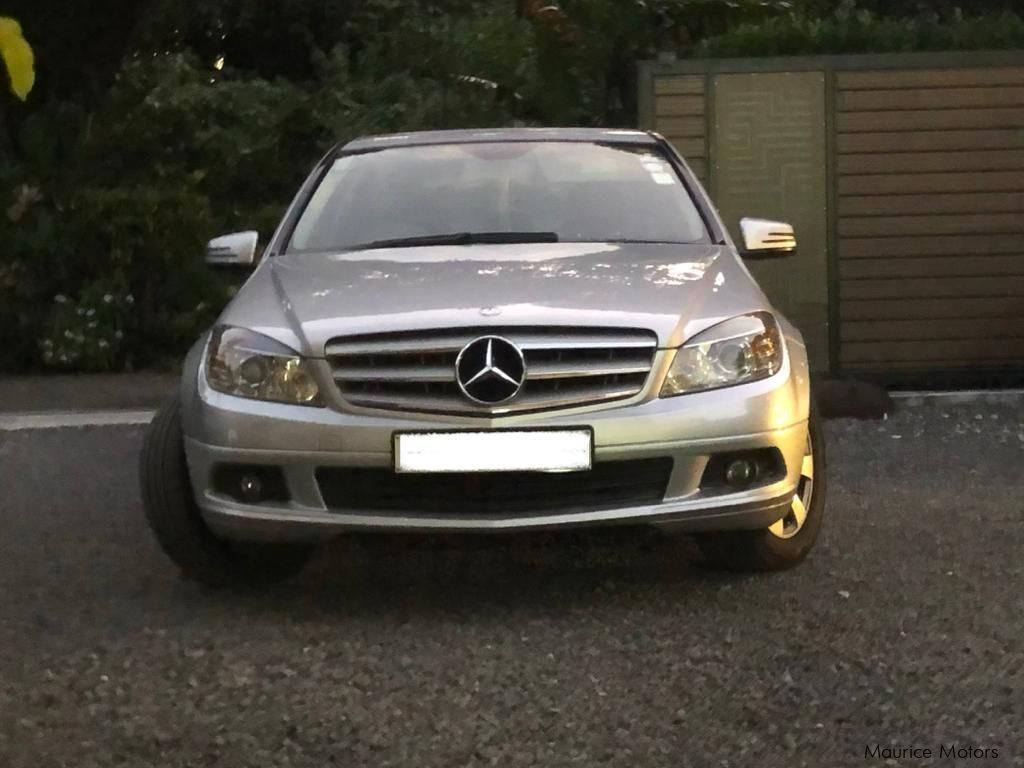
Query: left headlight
(243, 363)
(738, 351)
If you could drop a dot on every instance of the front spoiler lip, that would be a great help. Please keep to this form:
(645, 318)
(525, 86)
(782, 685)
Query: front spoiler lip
(238, 521)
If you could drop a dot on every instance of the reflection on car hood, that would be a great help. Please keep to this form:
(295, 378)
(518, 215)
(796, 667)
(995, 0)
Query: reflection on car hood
(674, 290)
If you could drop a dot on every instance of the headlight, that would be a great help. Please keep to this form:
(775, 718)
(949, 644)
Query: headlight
(247, 364)
(738, 351)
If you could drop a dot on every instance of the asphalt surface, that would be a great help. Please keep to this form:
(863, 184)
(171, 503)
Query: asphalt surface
(905, 628)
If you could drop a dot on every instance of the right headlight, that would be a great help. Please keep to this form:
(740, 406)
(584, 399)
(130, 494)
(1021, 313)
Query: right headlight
(738, 351)
(244, 363)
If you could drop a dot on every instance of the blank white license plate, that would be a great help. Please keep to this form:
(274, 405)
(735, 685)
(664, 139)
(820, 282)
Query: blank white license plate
(499, 451)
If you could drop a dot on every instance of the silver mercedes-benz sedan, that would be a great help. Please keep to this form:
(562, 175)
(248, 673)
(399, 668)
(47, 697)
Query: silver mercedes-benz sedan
(489, 331)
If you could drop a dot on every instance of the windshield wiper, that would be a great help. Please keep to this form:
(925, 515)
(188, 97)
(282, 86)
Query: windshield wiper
(459, 238)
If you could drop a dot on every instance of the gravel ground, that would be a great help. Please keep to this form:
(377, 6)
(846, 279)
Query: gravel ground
(905, 628)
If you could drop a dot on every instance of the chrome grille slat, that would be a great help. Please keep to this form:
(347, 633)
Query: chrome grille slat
(433, 346)
(565, 367)
(394, 372)
(418, 344)
(532, 345)
(563, 370)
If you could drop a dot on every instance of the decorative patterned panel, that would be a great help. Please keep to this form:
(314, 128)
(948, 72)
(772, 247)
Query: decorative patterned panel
(769, 161)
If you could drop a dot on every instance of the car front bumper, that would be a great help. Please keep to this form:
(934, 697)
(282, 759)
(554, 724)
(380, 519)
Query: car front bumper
(221, 429)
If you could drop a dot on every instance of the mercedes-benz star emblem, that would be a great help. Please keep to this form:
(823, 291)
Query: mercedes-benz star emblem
(490, 370)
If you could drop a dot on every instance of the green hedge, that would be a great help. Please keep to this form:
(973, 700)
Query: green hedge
(112, 279)
(863, 32)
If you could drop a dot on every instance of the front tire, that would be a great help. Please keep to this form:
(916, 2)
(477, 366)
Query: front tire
(788, 542)
(178, 524)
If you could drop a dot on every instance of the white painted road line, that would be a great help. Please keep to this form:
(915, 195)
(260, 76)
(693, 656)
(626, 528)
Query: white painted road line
(18, 422)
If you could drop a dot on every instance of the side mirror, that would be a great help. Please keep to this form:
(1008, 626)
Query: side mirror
(763, 239)
(237, 250)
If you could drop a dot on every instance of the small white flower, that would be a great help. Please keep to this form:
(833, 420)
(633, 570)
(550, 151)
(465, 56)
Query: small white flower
(80, 312)
(47, 355)
(107, 298)
(63, 358)
(119, 335)
(104, 344)
(90, 312)
(130, 299)
(68, 335)
(93, 323)
(47, 343)
(60, 298)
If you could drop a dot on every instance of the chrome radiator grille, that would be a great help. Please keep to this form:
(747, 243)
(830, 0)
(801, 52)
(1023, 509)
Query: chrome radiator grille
(565, 367)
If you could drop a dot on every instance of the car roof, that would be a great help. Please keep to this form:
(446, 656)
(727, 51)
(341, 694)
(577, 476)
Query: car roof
(425, 138)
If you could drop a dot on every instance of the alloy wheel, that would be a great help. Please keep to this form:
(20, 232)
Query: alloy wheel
(793, 522)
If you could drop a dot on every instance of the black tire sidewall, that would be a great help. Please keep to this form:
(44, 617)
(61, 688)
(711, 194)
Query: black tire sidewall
(178, 525)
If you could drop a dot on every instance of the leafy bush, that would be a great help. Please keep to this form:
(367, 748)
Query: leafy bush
(141, 246)
(87, 334)
(32, 239)
(144, 247)
(167, 121)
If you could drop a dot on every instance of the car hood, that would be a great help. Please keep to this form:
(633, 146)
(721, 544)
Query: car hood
(675, 290)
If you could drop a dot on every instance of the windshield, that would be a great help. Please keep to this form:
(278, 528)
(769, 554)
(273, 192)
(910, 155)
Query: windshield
(526, 191)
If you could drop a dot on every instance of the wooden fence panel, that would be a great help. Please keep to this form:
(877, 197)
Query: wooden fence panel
(930, 219)
(680, 115)
(924, 192)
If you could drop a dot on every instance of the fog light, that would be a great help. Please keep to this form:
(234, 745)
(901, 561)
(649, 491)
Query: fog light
(740, 473)
(743, 470)
(250, 483)
(251, 488)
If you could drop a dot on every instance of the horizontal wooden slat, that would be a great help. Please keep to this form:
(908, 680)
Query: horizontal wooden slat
(930, 78)
(934, 288)
(950, 224)
(916, 351)
(699, 166)
(930, 309)
(882, 205)
(682, 85)
(689, 148)
(931, 162)
(911, 183)
(932, 98)
(931, 119)
(929, 225)
(925, 330)
(932, 266)
(939, 245)
(934, 370)
(932, 141)
(679, 106)
(688, 127)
